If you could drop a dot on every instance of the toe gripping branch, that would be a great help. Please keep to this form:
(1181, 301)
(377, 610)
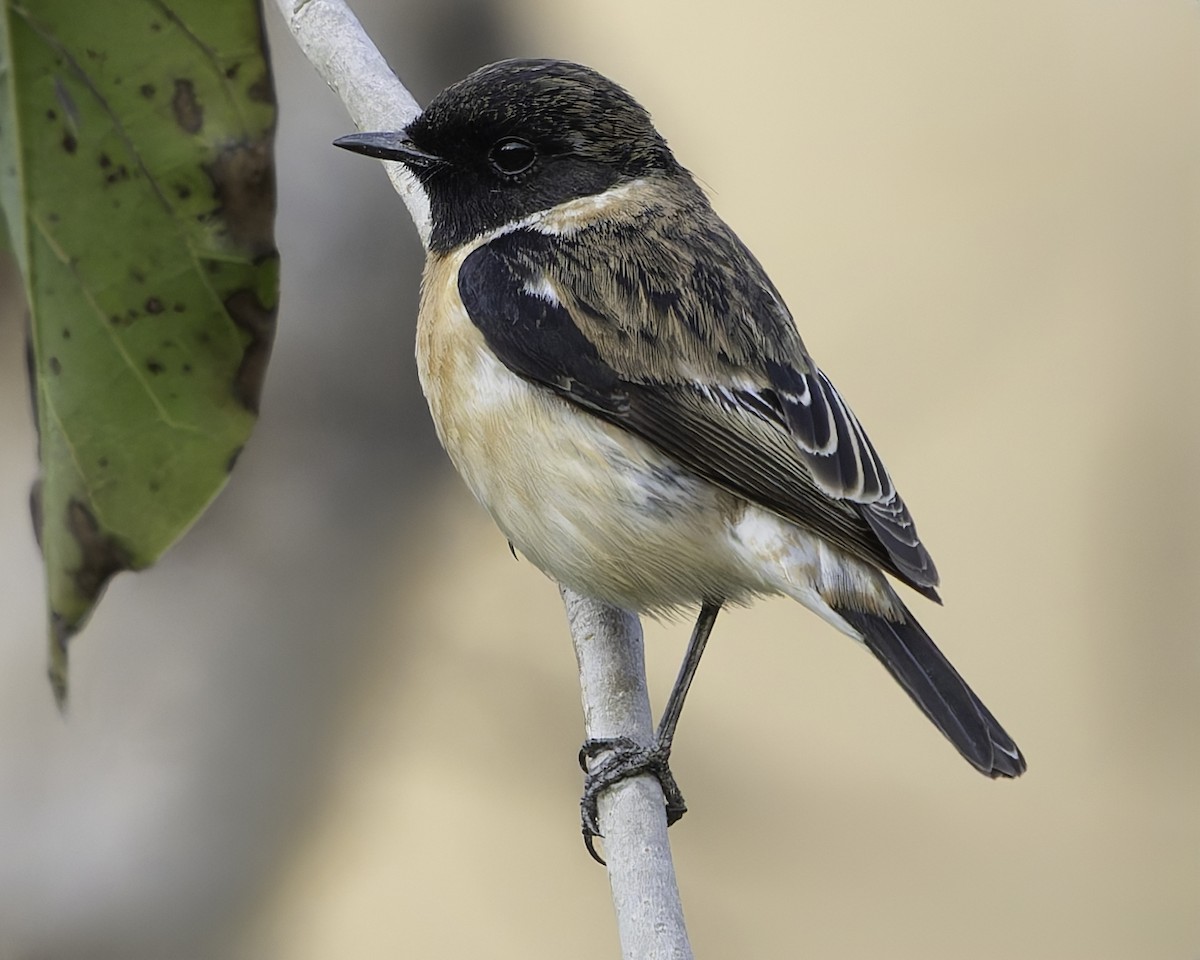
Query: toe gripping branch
(625, 758)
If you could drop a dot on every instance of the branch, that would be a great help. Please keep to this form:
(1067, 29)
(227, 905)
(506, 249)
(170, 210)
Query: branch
(608, 642)
(335, 43)
(633, 819)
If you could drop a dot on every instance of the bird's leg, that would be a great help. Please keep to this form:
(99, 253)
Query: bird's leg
(687, 670)
(626, 758)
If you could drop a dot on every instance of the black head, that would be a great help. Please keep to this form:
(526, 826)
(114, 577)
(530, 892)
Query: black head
(518, 137)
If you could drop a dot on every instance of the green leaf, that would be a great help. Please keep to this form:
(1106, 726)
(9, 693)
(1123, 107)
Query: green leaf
(137, 180)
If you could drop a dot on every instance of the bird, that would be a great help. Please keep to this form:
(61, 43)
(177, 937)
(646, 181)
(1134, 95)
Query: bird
(622, 387)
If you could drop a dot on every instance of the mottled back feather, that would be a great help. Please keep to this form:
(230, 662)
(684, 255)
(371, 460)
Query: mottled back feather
(656, 317)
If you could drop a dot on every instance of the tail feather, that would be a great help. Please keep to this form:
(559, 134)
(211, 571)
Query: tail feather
(935, 686)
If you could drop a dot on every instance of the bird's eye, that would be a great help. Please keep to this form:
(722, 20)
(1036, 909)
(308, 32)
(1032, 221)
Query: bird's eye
(512, 155)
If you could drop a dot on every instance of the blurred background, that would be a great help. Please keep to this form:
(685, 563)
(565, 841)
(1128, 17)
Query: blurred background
(339, 720)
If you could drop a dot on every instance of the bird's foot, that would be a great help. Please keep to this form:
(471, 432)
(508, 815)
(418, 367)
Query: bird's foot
(626, 758)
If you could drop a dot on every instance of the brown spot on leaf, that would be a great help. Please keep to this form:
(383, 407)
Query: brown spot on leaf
(55, 366)
(31, 378)
(261, 90)
(66, 333)
(69, 143)
(35, 510)
(154, 305)
(147, 90)
(183, 191)
(102, 555)
(188, 112)
(243, 178)
(51, 115)
(154, 366)
(258, 322)
(232, 71)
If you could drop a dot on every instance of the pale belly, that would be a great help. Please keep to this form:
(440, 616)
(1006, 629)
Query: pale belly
(593, 507)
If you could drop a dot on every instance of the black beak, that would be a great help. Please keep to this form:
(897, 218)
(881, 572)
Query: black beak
(389, 146)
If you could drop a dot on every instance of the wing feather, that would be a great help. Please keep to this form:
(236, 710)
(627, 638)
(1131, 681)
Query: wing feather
(712, 372)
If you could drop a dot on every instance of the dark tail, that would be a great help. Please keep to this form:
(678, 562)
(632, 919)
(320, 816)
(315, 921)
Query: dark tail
(935, 686)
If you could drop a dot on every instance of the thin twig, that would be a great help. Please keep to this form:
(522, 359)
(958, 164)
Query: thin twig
(335, 43)
(633, 819)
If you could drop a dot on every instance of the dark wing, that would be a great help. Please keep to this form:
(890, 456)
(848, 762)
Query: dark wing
(711, 371)
(846, 466)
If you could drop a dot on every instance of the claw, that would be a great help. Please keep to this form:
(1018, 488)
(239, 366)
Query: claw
(626, 759)
(589, 841)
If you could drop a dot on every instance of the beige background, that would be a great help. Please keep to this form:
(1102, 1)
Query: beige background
(339, 720)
